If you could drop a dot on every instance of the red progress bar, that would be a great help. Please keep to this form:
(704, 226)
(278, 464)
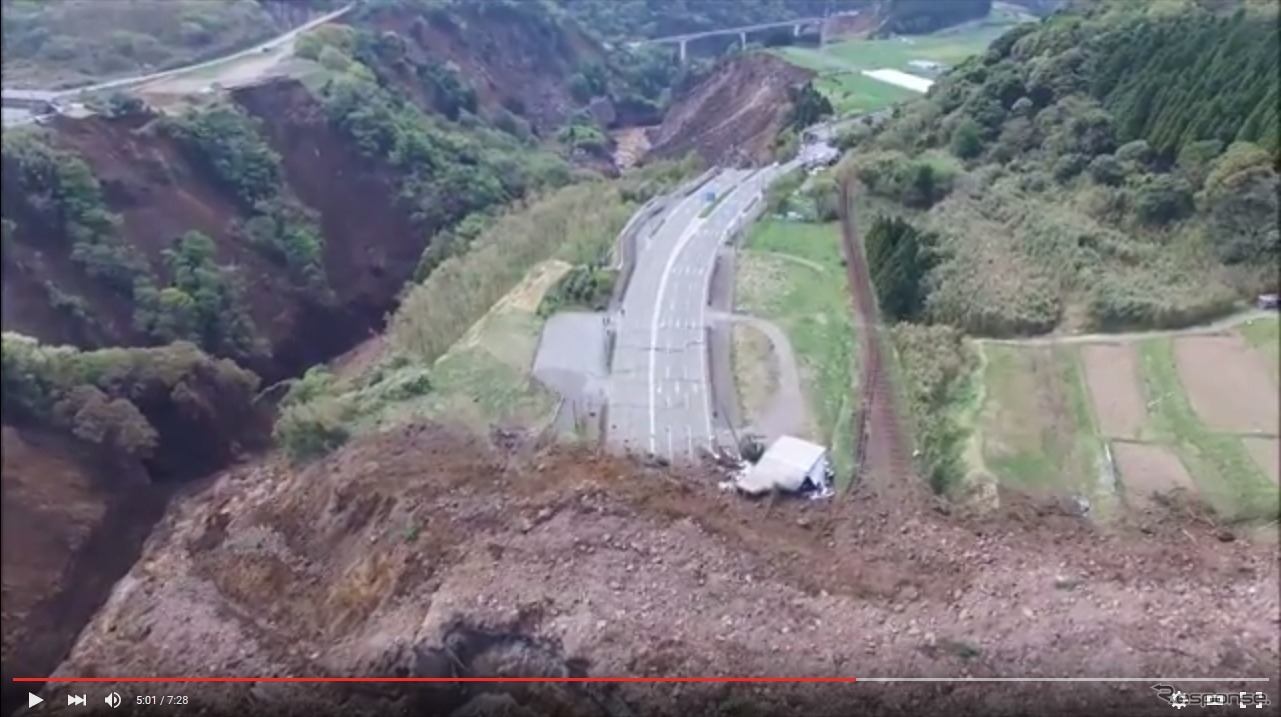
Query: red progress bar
(434, 679)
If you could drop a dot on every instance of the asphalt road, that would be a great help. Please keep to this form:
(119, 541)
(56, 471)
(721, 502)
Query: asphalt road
(659, 394)
(16, 117)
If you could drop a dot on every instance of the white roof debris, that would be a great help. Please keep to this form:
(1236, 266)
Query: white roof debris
(784, 466)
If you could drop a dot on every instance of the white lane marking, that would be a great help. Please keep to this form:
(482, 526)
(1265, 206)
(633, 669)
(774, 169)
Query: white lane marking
(695, 223)
(705, 287)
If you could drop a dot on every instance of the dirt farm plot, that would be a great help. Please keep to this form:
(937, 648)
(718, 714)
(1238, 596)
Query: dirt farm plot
(1112, 376)
(1228, 384)
(1146, 471)
(1267, 453)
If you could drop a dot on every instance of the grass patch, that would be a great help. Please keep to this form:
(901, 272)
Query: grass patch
(840, 64)
(1228, 479)
(938, 371)
(1036, 425)
(852, 93)
(461, 345)
(756, 376)
(1264, 334)
(813, 308)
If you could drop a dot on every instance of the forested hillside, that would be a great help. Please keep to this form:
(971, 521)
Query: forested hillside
(907, 17)
(633, 19)
(72, 41)
(1107, 169)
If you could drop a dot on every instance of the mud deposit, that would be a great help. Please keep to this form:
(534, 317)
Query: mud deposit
(423, 551)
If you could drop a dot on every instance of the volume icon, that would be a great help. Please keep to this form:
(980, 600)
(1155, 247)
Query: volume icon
(77, 700)
(113, 699)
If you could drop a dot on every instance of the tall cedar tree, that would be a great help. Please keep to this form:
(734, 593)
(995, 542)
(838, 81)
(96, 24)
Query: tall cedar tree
(898, 257)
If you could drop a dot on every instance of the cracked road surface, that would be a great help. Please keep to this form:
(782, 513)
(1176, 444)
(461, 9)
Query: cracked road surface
(659, 394)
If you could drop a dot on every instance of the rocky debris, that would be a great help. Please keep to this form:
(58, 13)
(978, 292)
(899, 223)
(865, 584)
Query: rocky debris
(733, 115)
(565, 561)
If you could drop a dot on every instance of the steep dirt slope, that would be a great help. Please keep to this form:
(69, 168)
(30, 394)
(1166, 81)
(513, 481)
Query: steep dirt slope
(368, 563)
(72, 523)
(515, 55)
(734, 114)
(159, 193)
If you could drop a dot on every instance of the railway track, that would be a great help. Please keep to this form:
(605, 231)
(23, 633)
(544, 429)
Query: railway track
(882, 455)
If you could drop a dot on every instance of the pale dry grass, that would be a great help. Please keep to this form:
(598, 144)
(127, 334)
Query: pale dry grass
(756, 376)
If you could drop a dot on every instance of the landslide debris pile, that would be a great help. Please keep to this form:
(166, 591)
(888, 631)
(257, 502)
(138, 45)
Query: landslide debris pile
(563, 561)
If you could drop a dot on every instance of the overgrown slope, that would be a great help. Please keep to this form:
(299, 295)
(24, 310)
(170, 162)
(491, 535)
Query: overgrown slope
(76, 41)
(1112, 167)
(1107, 168)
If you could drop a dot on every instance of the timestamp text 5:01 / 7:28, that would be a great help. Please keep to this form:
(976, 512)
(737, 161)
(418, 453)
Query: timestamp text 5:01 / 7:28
(161, 699)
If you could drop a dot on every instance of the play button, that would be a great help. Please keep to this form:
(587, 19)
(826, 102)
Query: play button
(33, 699)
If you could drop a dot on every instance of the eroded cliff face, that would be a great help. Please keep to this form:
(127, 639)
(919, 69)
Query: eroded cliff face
(159, 193)
(734, 115)
(516, 56)
(74, 520)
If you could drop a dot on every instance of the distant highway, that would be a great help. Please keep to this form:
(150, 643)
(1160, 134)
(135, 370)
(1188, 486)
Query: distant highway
(267, 46)
(660, 400)
(14, 117)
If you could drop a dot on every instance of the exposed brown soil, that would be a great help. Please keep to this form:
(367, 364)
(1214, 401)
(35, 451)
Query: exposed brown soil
(1150, 473)
(846, 27)
(1112, 376)
(72, 523)
(510, 62)
(1228, 384)
(371, 248)
(1267, 453)
(734, 115)
(338, 568)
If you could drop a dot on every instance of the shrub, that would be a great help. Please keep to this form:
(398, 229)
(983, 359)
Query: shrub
(940, 369)
(312, 429)
(102, 396)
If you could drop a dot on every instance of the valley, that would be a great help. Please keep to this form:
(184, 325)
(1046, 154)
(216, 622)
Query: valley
(418, 345)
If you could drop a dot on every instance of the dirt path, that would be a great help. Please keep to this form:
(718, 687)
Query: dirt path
(1229, 322)
(882, 457)
(787, 411)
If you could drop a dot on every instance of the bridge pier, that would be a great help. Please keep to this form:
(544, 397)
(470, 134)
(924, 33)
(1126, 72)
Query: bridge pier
(683, 43)
(742, 40)
(796, 30)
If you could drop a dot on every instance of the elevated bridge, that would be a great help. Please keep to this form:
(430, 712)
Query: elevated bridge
(799, 26)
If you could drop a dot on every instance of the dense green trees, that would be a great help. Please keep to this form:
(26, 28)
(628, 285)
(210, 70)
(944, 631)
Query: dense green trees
(203, 303)
(53, 190)
(907, 17)
(104, 396)
(226, 142)
(1189, 77)
(899, 257)
(809, 106)
(1106, 163)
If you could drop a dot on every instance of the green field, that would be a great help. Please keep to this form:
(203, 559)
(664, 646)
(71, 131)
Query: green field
(790, 273)
(839, 64)
(1038, 431)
